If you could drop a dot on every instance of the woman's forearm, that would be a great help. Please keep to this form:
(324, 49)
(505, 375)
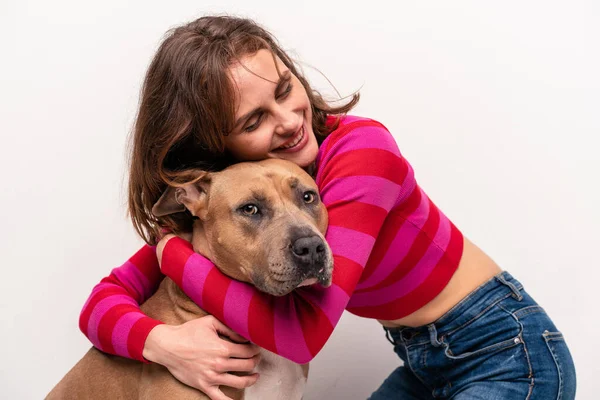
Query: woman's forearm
(111, 317)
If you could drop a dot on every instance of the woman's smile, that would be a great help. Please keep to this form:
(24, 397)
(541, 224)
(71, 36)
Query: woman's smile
(296, 143)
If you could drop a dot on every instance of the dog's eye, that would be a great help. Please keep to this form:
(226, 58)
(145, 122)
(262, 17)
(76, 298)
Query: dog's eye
(249, 209)
(309, 197)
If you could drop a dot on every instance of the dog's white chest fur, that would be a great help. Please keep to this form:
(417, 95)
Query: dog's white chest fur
(279, 379)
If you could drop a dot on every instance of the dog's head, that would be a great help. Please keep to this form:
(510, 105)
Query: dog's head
(261, 222)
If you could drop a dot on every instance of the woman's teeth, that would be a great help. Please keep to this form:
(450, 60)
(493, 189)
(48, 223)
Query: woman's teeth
(295, 142)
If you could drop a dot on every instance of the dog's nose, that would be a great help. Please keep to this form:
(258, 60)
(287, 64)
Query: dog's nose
(309, 249)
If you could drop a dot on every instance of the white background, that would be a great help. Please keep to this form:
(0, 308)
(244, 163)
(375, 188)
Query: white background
(496, 105)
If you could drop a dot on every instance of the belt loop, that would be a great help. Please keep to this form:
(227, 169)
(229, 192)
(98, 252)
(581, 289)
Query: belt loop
(433, 336)
(512, 287)
(388, 336)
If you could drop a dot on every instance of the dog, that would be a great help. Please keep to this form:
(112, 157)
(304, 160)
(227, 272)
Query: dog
(258, 222)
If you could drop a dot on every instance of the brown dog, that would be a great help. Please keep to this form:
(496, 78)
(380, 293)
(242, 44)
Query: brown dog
(261, 223)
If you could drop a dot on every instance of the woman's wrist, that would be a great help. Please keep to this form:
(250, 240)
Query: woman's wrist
(154, 347)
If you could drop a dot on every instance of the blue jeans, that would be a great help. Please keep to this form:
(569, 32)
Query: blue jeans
(497, 343)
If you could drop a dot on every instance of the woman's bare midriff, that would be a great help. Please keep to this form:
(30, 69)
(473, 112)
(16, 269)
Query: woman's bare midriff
(474, 269)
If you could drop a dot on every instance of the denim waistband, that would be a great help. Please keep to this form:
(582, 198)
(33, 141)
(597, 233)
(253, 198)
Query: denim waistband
(474, 304)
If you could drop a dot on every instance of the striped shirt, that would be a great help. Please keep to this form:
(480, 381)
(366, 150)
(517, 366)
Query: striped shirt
(393, 250)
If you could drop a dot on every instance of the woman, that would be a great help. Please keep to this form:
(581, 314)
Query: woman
(221, 90)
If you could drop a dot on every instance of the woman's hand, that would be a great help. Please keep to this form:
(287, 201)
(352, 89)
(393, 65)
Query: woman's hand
(196, 355)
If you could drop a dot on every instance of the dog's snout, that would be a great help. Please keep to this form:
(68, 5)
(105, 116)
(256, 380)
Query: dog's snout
(308, 249)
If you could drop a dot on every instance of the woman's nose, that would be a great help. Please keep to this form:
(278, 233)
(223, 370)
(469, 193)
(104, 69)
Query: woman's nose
(287, 122)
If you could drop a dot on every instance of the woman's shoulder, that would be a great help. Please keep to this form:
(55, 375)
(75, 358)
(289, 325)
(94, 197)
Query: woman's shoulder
(344, 121)
(359, 147)
(354, 132)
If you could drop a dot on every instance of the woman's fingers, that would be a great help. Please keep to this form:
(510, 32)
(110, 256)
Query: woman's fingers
(224, 330)
(241, 364)
(215, 393)
(238, 382)
(241, 349)
(236, 350)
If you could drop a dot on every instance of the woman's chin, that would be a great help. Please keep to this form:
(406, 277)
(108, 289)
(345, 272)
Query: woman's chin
(305, 157)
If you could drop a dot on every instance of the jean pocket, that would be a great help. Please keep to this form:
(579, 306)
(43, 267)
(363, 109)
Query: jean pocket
(492, 331)
(564, 364)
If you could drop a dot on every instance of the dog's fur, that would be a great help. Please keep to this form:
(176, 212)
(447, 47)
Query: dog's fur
(261, 223)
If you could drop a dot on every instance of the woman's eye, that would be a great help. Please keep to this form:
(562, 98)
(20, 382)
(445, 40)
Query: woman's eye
(253, 126)
(309, 197)
(285, 91)
(250, 209)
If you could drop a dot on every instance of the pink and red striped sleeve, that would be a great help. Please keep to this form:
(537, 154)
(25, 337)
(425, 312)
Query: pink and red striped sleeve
(111, 318)
(361, 178)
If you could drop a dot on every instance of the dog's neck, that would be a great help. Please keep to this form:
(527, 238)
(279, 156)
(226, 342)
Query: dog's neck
(200, 241)
(200, 244)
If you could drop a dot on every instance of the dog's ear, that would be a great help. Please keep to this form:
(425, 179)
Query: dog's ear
(189, 196)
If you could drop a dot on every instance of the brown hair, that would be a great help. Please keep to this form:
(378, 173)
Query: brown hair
(187, 106)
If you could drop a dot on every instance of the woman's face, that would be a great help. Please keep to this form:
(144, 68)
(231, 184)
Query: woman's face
(273, 117)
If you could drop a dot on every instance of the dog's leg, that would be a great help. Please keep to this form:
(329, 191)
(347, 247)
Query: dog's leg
(99, 376)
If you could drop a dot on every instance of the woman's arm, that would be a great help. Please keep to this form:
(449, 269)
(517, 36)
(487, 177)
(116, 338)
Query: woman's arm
(111, 318)
(362, 176)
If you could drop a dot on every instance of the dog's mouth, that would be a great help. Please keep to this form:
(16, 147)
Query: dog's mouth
(280, 284)
(322, 276)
